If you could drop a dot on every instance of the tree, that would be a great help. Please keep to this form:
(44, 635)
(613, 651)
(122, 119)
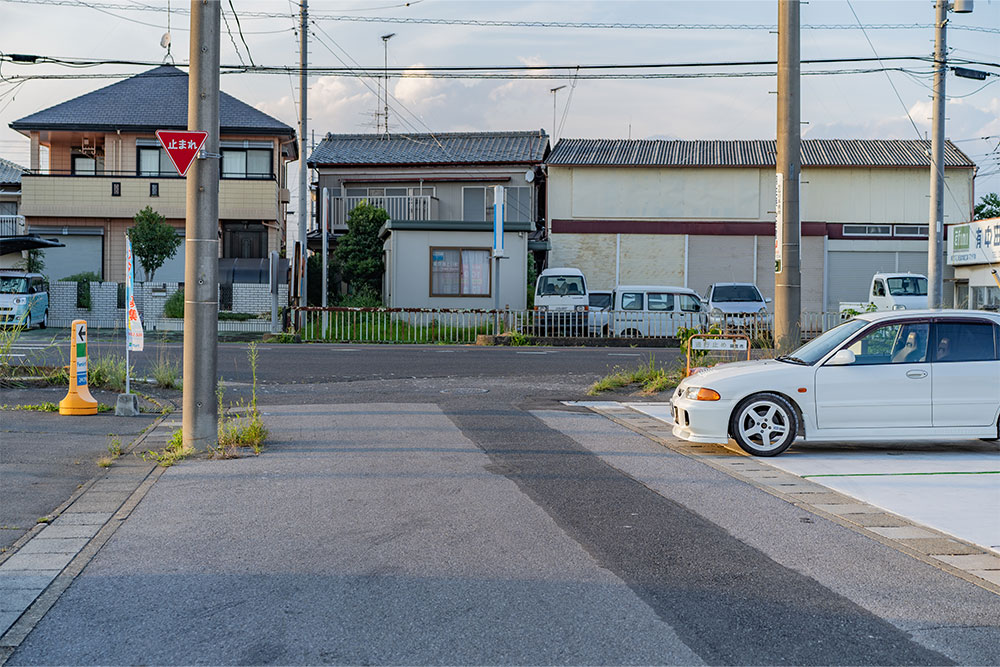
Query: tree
(988, 207)
(34, 262)
(360, 249)
(153, 240)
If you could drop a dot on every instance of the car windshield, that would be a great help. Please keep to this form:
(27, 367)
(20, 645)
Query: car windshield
(600, 300)
(10, 285)
(560, 285)
(908, 286)
(822, 345)
(731, 293)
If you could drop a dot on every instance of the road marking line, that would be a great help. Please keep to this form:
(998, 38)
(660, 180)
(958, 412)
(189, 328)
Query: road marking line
(901, 474)
(623, 354)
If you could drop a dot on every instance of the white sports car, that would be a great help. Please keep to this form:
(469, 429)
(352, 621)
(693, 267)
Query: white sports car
(922, 375)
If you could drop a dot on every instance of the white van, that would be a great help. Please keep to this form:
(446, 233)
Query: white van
(656, 310)
(561, 302)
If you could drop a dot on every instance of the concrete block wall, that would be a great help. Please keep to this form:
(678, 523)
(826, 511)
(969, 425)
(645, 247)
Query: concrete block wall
(149, 299)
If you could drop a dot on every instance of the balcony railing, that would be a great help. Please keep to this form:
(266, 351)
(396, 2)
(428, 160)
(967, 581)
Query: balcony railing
(417, 207)
(12, 225)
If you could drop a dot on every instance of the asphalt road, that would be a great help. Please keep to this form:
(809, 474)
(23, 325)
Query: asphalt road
(439, 505)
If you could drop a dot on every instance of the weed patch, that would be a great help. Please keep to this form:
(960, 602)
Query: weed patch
(650, 379)
(244, 426)
(174, 451)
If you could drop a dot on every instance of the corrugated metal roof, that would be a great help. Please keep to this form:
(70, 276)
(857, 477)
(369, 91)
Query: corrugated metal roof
(153, 100)
(444, 148)
(10, 173)
(750, 153)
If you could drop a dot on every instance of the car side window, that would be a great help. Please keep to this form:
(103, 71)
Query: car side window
(660, 302)
(892, 344)
(689, 304)
(964, 341)
(878, 288)
(632, 301)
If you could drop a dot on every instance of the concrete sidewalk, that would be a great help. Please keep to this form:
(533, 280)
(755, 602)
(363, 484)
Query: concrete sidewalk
(356, 538)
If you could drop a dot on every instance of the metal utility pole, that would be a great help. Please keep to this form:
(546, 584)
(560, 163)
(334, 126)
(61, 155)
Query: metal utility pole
(787, 230)
(303, 213)
(201, 242)
(385, 78)
(554, 92)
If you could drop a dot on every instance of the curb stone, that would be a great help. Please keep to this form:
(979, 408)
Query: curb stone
(965, 560)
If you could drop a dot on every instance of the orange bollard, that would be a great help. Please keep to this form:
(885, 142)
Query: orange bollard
(78, 400)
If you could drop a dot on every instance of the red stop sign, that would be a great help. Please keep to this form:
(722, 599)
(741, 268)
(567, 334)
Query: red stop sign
(182, 147)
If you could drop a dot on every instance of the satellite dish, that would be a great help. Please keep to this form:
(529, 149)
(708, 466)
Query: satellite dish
(529, 175)
(165, 40)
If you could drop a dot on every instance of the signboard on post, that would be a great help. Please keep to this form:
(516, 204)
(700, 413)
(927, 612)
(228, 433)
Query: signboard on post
(182, 147)
(779, 187)
(498, 215)
(78, 400)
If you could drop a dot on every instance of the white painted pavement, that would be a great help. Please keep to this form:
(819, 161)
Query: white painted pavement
(956, 492)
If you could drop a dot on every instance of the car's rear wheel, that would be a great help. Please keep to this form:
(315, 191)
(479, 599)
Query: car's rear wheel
(764, 424)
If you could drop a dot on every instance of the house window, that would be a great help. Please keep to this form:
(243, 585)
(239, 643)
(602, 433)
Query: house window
(477, 204)
(911, 230)
(116, 189)
(84, 165)
(154, 189)
(154, 161)
(867, 230)
(246, 163)
(460, 271)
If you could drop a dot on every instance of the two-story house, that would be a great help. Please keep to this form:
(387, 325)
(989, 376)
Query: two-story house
(105, 164)
(438, 190)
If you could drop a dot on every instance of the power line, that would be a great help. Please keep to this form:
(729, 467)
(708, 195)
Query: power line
(239, 28)
(497, 23)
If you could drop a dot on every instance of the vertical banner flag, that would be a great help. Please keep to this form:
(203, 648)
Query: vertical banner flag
(134, 323)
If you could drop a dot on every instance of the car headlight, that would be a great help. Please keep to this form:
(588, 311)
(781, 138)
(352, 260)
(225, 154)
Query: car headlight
(20, 300)
(701, 394)
(898, 306)
(716, 312)
(581, 309)
(541, 309)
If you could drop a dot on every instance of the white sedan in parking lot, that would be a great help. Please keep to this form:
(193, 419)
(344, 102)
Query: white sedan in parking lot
(922, 375)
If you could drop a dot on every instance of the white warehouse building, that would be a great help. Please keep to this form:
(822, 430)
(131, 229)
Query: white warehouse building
(691, 213)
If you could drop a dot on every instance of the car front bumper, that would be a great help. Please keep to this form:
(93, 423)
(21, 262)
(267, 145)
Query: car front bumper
(701, 421)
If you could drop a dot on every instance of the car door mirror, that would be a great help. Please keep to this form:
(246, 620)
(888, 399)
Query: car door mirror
(767, 300)
(842, 358)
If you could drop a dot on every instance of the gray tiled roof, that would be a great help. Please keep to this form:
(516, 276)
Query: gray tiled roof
(749, 153)
(10, 173)
(152, 100)
(443, 148)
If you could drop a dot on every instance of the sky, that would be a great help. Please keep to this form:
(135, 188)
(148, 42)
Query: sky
(849, 104)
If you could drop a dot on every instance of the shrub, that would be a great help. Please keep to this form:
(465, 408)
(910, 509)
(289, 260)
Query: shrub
(83, 281)
(174, 305)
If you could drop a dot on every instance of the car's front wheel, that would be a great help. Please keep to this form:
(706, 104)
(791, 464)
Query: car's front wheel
(764, 424)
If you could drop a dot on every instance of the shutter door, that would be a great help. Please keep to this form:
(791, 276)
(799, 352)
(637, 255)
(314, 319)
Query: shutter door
(82, 253)
(719, 259)
(850, 274)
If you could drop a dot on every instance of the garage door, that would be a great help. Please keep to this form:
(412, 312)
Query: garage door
(719, 259)
(850, 274)
(82, 253)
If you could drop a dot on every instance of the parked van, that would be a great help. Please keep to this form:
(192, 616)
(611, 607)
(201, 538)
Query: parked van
(24, 299)
(656, 310)
(561, 302)
(599, 314)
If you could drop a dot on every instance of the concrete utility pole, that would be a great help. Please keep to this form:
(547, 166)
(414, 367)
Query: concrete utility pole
(935, 237)
(303, 155)
(787, 229)
(201, 242)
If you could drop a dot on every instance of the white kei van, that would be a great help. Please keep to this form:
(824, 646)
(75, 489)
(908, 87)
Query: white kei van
(561, 302)
(655, 310)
